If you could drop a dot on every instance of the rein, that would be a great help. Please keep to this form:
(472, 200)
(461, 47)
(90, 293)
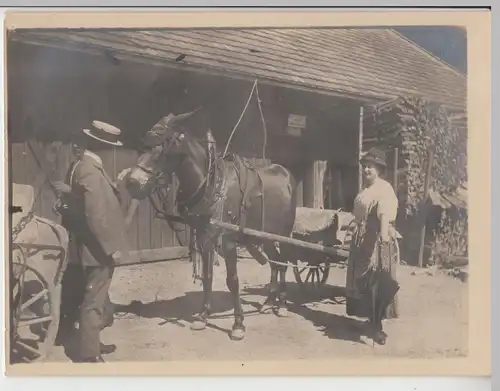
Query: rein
(204, 183)
(209, 198)
(202, 187)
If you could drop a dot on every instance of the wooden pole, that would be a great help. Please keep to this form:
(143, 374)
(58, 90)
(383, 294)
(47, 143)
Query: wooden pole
(130, 212)
(424, 208)
(395, 169)
(45, 166)
(360, 149)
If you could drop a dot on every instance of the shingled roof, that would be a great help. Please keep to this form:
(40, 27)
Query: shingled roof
(370, 64)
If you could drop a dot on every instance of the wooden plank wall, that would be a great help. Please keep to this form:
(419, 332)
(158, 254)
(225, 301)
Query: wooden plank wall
(145, 231)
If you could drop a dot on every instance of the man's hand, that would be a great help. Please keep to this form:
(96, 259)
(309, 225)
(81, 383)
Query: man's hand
(121, 176)
(62, 187)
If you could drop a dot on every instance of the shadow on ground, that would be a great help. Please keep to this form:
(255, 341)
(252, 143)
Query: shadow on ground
(331, 325)
(180, 310)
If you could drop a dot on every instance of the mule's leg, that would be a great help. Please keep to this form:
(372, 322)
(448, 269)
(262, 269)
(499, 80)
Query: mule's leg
(233, 284)
(200, 320)
(272, 295)
(282, 309)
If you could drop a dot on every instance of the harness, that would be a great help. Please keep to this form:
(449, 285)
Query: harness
(23, 222)
(208, 200)
(211, 192)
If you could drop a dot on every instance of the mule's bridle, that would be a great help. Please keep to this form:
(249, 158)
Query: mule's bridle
(176, 136)
(167, 145)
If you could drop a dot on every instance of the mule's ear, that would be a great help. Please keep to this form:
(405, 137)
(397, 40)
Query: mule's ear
(165, 121)
(182, 117)
(157, 133)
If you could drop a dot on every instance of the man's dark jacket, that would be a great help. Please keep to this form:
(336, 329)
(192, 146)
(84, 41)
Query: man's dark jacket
(94, 214)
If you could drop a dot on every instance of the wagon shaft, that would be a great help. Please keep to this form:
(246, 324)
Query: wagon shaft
(281, 239)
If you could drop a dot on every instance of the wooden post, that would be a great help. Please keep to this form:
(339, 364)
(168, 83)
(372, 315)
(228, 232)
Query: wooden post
(313, 185)
(423, 211)
(395, 169)
(319, 179)
(360, 149)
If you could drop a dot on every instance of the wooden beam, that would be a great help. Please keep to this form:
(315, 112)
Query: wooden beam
(165, 254)
(423, 211)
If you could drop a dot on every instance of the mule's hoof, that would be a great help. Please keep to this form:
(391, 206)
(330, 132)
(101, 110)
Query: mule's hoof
(265, 307)
(237, 334)
(380, 338)
(282, 312)
(198, 325)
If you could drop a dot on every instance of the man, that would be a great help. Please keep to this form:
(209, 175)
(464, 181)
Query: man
(96, 223)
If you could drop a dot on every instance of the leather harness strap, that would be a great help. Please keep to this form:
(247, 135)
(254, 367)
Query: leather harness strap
(208, 189)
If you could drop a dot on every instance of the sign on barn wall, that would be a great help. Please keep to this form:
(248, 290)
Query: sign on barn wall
(297, 121)
(296, 125)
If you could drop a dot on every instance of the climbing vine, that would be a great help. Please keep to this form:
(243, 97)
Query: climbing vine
(415, 127)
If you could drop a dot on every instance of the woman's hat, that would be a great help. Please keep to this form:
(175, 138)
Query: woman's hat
(374, 155)
(104, 132)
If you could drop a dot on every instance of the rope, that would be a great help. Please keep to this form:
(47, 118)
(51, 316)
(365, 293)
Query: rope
(241, 117)
(256, 89)
(263, 122)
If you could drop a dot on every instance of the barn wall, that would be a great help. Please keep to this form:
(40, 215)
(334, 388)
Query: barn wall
(53, 93)
(330, 135)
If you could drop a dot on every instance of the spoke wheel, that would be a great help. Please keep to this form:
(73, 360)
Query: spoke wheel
(34, 314)
(311, 280)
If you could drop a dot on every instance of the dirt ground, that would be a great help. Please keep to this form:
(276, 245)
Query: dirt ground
(155, 302)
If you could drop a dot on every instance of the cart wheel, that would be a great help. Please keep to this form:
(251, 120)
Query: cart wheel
(312, 279)
(35, 312)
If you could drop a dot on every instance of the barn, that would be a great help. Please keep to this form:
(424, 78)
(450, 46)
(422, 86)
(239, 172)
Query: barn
(314, 86)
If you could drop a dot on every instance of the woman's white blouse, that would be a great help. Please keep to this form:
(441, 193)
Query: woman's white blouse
(380, 194)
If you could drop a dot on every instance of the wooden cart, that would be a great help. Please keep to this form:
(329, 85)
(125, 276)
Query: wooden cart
(320, 239)
(37, 263)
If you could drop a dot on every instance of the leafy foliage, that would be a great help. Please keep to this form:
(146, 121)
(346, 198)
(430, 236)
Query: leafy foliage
(451, 239)
(416, 127)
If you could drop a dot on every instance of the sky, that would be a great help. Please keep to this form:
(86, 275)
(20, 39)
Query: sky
(447, 43)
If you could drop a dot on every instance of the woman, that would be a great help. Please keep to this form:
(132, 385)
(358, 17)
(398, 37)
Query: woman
(371, 286)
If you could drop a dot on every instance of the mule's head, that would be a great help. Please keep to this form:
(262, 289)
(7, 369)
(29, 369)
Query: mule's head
(162, 149)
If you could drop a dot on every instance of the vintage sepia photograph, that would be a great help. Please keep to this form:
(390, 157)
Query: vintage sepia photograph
(237, 194)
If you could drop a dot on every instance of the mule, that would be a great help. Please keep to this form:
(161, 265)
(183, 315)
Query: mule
(225, 188)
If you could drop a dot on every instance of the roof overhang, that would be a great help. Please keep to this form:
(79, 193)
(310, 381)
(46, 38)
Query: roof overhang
(134, 46)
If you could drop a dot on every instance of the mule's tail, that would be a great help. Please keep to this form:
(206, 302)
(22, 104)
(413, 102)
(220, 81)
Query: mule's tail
(293, 205)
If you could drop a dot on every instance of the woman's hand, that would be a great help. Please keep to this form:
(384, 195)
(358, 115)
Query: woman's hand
(384, 229)
(385, 238)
